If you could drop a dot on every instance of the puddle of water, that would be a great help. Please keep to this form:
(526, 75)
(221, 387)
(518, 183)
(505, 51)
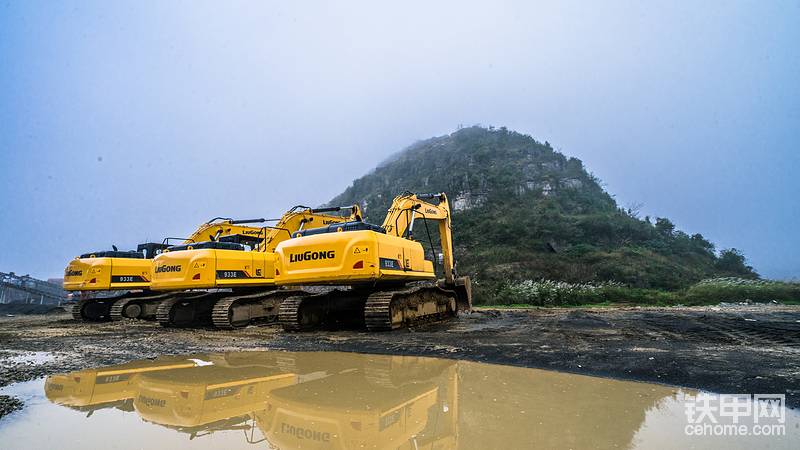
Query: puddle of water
(33, 358)
(344, 400)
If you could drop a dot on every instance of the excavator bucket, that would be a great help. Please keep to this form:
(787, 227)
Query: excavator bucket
(463, 290)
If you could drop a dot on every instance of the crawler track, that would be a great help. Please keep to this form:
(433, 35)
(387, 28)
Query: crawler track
(164, 309)
(376, 310)
(239, 311)
(94, 309)
(188, 309)
(140, 307)
(77, 308)
(389, 310)
(120, 305)
(289, 316)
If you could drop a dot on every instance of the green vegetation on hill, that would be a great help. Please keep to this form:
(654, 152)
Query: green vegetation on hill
(523, 211)
(706, 292)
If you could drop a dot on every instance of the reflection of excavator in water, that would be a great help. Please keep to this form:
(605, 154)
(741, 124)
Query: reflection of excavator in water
(107, 387)
(389, 281)
(221, 395)
(307, 400)
(232, 280)
(348, 400)
(387, 402)
(131, 271)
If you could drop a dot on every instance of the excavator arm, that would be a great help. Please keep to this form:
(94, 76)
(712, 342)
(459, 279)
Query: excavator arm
(214, 229)
(267, 237)
(407, 207)
(301, 217)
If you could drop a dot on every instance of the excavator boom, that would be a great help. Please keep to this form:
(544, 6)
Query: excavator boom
(408, 207)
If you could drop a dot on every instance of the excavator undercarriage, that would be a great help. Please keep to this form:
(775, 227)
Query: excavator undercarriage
(225, 310)
(377, 309)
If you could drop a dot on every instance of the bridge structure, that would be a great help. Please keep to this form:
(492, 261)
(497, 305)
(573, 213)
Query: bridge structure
(26, 289)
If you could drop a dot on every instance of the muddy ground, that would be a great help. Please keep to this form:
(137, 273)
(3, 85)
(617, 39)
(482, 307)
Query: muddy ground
(728, 349)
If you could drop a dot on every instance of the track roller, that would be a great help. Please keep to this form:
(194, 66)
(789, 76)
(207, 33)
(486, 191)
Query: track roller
(188, 309)
(331, 310)
(242, 310)
(290, 316)
(389, 310)
(137, 307)
(93, 309)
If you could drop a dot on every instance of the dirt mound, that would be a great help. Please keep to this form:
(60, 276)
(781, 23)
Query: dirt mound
(23, 309)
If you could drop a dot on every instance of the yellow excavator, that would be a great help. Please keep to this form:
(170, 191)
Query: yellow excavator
(96, 273)
(227, 286)
(388, 281)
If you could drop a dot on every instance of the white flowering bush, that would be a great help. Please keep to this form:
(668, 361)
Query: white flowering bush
(741, 289)
(706, 292)
(556, 293)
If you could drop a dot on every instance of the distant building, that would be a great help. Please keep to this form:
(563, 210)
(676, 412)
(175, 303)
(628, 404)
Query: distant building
(26, 289)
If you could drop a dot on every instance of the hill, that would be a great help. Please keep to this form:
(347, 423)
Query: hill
(523, 211)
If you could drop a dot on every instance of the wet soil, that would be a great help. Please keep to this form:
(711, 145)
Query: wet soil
(730, 349)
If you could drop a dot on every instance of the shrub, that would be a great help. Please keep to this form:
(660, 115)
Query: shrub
(559, 293)
(740, 289)
(706, 292)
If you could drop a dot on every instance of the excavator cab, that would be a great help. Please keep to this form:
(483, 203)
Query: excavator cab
(151, 249)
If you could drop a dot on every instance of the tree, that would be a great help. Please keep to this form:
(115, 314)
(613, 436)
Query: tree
(664, 226)
(731, 261)
(699, 241)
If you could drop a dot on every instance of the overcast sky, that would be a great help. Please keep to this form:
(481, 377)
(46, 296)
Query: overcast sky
(122, 122)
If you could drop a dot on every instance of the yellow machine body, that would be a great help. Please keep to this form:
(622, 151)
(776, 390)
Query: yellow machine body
(212, 268)
(96, 272)
(351, 257)
(348, 257)
(106, 273)
(208, 268)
